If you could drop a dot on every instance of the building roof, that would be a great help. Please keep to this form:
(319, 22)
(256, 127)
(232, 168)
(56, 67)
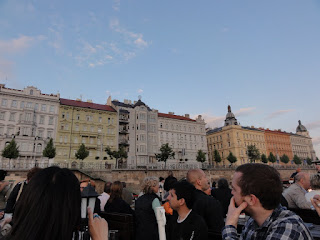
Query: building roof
(214, 130)
(165, 115)
(91, 105)
(121, 104)
(252, 128)
(301, 128)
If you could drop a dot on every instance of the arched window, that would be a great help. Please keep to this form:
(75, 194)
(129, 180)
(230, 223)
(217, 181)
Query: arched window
(31, 92)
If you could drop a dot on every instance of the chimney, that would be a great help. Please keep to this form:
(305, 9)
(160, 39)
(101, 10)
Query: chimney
(78, 99)
(172, 113)
(130, 102)
(89, 100)
(125, 101)
(187, 115)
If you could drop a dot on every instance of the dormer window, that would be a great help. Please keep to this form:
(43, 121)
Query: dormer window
(31, 92)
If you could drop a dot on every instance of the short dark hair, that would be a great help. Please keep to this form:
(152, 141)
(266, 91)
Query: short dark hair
(161, 179)
(107, 187)
(262, 181)
(186, 191)
(223, 183)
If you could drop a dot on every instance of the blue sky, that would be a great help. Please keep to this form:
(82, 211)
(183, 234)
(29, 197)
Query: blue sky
(196, 57)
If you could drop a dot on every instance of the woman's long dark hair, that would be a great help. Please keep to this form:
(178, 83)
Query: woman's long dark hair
(49, 207)
(116, 191)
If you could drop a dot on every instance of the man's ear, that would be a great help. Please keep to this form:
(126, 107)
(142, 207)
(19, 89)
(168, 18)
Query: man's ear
(251, 199)
(198, 181)
(181, 201)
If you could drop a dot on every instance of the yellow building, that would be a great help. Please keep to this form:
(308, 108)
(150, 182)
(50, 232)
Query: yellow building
(94, 125)
(234, 138)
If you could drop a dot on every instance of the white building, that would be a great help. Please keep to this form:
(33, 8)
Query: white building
(30, 117)
(184, 135)
(138, 131)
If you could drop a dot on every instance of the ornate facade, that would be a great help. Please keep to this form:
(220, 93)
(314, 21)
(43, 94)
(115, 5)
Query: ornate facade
(94, 125)
(30, 117)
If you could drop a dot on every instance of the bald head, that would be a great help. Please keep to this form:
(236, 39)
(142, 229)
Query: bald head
(198, 178)
(303, 179)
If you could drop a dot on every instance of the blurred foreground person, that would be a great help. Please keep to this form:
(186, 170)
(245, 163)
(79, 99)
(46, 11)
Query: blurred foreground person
(257, 189)
(50, 208)
(223, 194)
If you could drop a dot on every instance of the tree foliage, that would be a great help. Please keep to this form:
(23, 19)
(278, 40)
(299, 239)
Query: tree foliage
(82, 152)
(309, 161)
(264, 158)
(272, 158)
(284, 158)
(201, 156)
(166, 152)
(231, 158)
(118, 155)
(296, 160)
(50, 150)
(253, 153)
(11, 151)
(217, 157)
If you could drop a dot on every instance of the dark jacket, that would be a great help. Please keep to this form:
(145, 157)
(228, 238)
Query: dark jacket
(223, 195)
(118, 205)
(210, 209)
(146, 222)
(193, 227)
(11, 202)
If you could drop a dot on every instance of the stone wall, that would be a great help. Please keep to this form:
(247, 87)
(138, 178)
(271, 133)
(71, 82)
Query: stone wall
(134, 178)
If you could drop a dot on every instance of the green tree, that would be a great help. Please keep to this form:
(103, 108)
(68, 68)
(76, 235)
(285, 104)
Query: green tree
(272, 158)
(11, 151)
(253, 153)
(216, 155)
(82, 152)
(296, 160)
(231, 158)
(50, 150)
(284, 158)
(118, 155)
(309, 161)
(166, 152)
(201, 156)
(264, 158)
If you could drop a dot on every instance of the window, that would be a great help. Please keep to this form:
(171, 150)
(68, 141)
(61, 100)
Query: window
(100, 119)
(40, 133)
(31, 92)
(50, 120)
(142, 116)
(49, 134)
(43, 108)
(65, 139)
(75, 140)
(142, 126)
(41, 120)
(36, 106)
(63, 115)
(60, 139)
(51, 109)
(22, 105)
(92, 128)
(84, 127)
(77, 127)
(109, 120)
(12, 117)
(67, 127)
(4, 102)
(1, 130)
(28, 117)
(91, 140)
(2, 115)
(29, 105)
(14, 103)
(78, 117)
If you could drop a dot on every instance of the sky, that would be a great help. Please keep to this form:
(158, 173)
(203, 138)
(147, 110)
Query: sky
(195, 57)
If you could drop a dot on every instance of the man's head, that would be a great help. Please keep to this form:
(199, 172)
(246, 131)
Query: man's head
(181, 194)
(257, 184)
(32, 172)
(298, 170)
(198, 178)
(303, 179)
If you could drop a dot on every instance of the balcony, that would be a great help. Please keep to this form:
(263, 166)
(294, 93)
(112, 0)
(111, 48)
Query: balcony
(27, 122)
(123, 131)
(124, 142)
(123, 121)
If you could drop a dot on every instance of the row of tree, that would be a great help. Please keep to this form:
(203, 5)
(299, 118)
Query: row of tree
(11, 151)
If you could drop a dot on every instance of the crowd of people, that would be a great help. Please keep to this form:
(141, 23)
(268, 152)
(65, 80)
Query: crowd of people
(47, 205)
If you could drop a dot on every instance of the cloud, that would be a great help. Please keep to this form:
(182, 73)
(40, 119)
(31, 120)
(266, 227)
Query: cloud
(132, 38)
(245, 111)
(278, 113)
(19, 44)
(140, 90)
(313, 125)
(116, 5)
(316, 140)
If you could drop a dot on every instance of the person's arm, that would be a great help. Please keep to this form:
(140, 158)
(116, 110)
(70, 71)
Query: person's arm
(230, 229)
(155, 204)
(316, 203)
(3, 184)
(98, 227)
(300, 200)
